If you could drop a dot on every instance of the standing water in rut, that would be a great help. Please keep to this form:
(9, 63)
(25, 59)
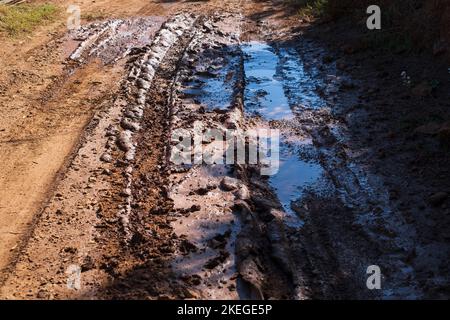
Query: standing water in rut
(276, 84)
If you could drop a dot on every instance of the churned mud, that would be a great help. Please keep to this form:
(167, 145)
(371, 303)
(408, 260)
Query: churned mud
(122, 218)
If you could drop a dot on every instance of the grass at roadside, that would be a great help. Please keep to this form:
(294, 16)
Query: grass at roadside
(310, 8)
(93, 16)
(23, 18)
(406, 24)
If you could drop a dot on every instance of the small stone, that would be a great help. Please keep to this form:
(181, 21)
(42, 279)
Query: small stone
(42, 294)
(126, 192)
(88, 264)
(186, 247)
(438, 198)
(71, 250)
(195, 280)
(214, 262)
(124, 142)
(341, 65)
(444, 134)
(194, 208)
(243, 193)
(327, 59)
(242, 207)
(348, 49)
(191, 294)
(422, 90)
(431, 128)
(439, 48)
(142, 84)
(106, 157)
(229, 184)
(127, 124)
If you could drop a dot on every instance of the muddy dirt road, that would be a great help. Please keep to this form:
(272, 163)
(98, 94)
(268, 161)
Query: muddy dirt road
(92, 205)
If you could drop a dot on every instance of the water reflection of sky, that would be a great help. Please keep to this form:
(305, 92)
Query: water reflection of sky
(299, 84)
(276, 81)
(294, 175)
(264, 93)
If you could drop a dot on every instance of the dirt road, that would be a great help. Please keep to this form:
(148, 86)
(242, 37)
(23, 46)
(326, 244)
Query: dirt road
(92, 205)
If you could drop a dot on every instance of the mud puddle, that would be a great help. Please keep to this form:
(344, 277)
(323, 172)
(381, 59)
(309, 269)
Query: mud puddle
(317, 167)
(277, 85)
(215, 82)
(264, 93)
(294, 176)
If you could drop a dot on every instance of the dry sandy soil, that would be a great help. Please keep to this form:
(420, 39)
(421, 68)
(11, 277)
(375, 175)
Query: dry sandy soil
(91, 207)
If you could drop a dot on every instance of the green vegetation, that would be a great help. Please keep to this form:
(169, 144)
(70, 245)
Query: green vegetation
(23, 18)
(388, 40)
(406, 24)
(311, 8)
(92, 16)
